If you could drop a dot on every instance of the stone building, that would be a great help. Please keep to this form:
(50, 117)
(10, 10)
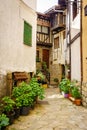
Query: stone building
(17, 42)
(44, 43)
(50, 40)
(58, 23)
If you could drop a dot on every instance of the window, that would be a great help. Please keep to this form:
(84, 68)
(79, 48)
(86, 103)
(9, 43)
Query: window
(44, 29)
(38, 28)
(27, 34)
(61, 18)
(37, 56)
(74, 9)
(85, 10)
(56, 43)
(64, 34)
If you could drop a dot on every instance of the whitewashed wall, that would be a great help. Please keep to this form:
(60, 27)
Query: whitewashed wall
(76, 61)
(59, 52)
(75, 47)
(31, 3)
(14, 54)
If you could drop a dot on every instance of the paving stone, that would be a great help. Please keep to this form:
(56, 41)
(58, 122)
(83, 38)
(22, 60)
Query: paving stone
(53, 113)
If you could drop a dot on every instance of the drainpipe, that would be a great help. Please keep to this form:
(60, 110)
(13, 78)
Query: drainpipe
(70, 38)
(81, 52)
(69, 13)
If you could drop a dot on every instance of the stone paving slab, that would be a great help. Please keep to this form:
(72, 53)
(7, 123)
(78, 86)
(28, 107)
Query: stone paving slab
(53, 113)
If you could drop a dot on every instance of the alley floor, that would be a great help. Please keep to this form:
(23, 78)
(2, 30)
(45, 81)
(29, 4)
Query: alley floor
(53, 113)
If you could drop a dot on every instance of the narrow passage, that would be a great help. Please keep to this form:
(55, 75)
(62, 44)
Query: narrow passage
(53, 113)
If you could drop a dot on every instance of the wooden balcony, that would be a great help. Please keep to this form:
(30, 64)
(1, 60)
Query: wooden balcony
(58, 28)
(40, 43)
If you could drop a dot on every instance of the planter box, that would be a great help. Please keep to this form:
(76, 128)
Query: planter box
(45, 85)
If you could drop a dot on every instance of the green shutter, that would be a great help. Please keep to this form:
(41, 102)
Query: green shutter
(27, 34)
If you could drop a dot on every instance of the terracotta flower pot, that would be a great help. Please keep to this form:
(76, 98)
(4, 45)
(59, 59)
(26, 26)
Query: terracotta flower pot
(78, 102)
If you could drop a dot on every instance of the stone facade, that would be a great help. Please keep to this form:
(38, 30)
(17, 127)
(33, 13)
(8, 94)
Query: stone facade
(55, 72)
(84, 94)
(7, 82)
(3, 85)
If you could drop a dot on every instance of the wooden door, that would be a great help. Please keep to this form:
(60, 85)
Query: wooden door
(46, 57)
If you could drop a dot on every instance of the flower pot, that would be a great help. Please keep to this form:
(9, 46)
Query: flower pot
(3, 128)
(45, 86)
(17, 113)
(24, 110)
(66, 95)
(70, 95)
(78, 102)
(11, 117)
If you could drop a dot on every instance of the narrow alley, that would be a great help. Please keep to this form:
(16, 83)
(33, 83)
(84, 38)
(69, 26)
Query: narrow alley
(53, 113)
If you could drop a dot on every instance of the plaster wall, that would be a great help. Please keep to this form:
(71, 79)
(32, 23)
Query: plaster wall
(31, 3)
(14, 54)
(84, 42)
(75, 60)
(59, 52)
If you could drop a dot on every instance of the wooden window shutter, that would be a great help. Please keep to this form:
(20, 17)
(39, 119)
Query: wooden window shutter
(27, 34)
(56, 43)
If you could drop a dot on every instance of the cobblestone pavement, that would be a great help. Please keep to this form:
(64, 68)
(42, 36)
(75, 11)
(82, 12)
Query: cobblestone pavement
(53, 113)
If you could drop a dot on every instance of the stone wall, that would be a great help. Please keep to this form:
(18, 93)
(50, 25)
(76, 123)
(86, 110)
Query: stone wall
(3, 85)
(55, 72)
(84, 94)
(8, 81)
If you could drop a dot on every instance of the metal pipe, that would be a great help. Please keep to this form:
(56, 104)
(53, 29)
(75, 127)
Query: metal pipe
(69, 10)
(81, 51)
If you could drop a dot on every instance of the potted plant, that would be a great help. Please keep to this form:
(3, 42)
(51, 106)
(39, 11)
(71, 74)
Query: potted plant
(64, 86)
(37, 89)
(21, 95)
(77, 95)
(56, 81)
(17, 107)
(8, 108)
(4, 121)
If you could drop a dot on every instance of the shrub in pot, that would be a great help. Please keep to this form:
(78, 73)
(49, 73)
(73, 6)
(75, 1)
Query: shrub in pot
(64, 86)
(23, 97)
(4, 121)
(17, 107)
(56, 81)
(77, 95)
(37, 89)
(26, 101)
(8, 108)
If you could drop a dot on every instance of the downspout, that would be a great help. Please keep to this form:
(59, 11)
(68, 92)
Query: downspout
(81, 52)
(69, 9)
